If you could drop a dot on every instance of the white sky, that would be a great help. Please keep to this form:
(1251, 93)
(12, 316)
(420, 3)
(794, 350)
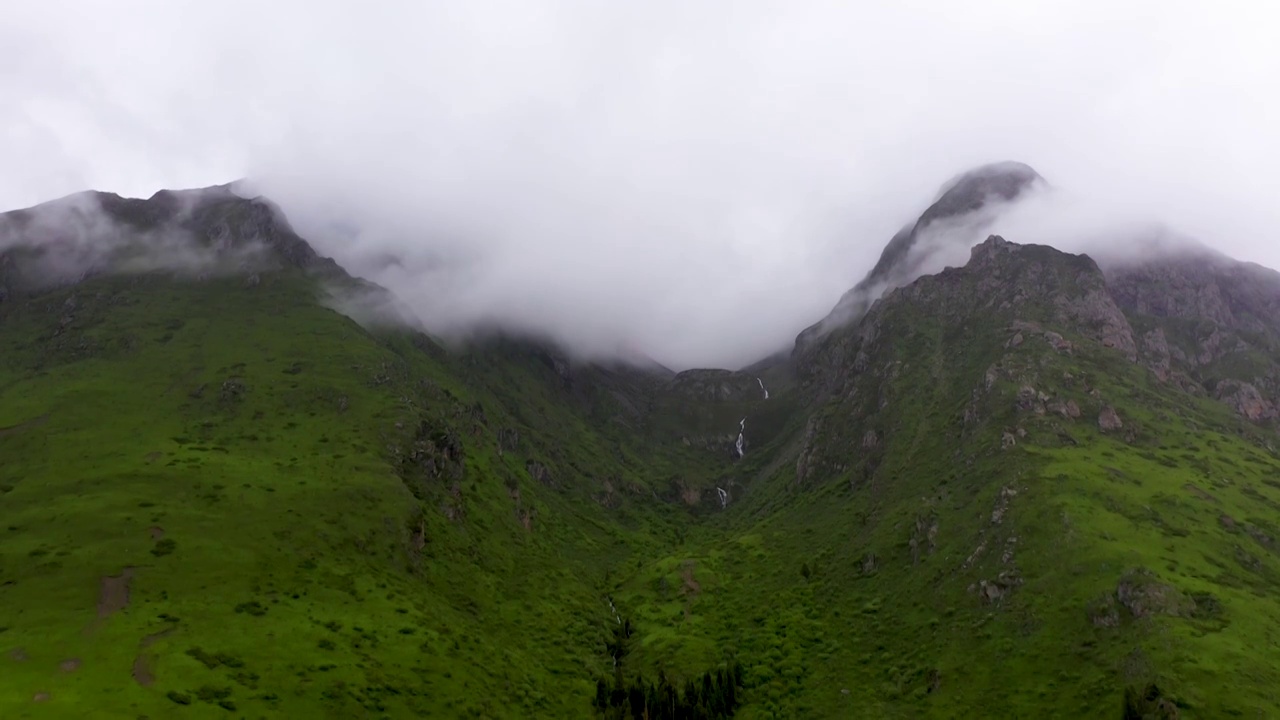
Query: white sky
(697, 179)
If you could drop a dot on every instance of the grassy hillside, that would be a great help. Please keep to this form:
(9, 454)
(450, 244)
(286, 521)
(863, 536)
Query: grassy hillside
(219, 498)
(976, 544)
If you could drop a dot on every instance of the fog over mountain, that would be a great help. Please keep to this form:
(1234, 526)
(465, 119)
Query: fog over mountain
(691, 181)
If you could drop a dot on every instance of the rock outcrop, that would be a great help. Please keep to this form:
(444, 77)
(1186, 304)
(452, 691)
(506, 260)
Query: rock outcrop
(1109, 420)
(1199, 284)
(714, 386)
(1216, 325)
(1245, 399)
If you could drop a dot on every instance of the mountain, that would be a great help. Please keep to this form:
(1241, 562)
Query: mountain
(1014, 484)
(971, 200)
(1209, 324)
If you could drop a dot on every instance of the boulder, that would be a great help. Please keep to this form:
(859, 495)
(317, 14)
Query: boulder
(1109, 419)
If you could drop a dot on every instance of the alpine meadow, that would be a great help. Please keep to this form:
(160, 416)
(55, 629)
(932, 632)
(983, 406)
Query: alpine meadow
(1025, 484)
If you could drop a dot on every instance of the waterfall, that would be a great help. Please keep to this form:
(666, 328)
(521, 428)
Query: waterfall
(724, 498)
(742, 428)
(762, 387)
(616, 616)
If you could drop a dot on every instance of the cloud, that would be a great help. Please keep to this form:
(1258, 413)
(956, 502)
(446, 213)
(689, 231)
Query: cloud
(1106, 229)
(696, 179)
(68, 239)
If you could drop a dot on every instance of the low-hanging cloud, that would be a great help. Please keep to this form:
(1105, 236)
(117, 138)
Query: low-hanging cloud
(1111, 233)
(698, 181)
(66, 240)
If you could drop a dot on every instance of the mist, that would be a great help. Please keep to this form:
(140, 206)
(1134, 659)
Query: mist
(692, 181)
(1106, 229)
(64, 241)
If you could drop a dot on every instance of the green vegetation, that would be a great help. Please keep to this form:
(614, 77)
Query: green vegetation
(210, 480)
(713, 696)
(224, 499)
(976, 544)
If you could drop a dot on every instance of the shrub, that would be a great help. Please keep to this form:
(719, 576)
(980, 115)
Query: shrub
(209, 693)
(208, 660)
(164, 547)
(253, 607)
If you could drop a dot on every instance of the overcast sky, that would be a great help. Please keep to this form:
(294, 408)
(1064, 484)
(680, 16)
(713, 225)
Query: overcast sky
(699, 180)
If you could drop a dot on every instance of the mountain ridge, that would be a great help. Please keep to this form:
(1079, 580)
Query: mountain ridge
(962, 197)
(1024, 485)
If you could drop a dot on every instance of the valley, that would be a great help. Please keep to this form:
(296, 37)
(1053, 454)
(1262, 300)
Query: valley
(1025, 485)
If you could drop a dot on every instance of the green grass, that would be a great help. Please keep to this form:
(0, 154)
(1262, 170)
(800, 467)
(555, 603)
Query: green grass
(914, 636)
(316, 520)
(229, 449)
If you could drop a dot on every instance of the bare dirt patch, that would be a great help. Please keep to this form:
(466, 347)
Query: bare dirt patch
(156, 531)
(113, 593)
(18, 655)
(153, 456)
(151, 639)
(25, 425)
(69, 665)
(41, 697)
(691, 585)
(142, 672)
(1203, 495)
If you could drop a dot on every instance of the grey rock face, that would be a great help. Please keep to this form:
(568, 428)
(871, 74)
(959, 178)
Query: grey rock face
(539, 472)
(1217, 325)
(508, 440)
(804, 461)
(714, 385)
(1143, 595)
(1200, 285)
(1067, 409)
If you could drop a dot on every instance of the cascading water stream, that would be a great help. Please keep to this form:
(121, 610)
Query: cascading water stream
(613, 608)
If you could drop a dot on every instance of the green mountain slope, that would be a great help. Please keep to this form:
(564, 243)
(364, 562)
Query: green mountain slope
(993, 493)
(229, 491)
(220, 492)
(964, 532)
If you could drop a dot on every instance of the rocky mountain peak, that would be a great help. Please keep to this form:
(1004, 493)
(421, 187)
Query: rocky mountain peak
(965, 205)
(993, 247)
(965, 194)
(980, 186)
(977, 440)
(197, 231)
(1003, 282)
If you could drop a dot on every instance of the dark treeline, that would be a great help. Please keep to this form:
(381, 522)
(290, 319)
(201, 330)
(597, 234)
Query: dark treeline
(711, 697)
